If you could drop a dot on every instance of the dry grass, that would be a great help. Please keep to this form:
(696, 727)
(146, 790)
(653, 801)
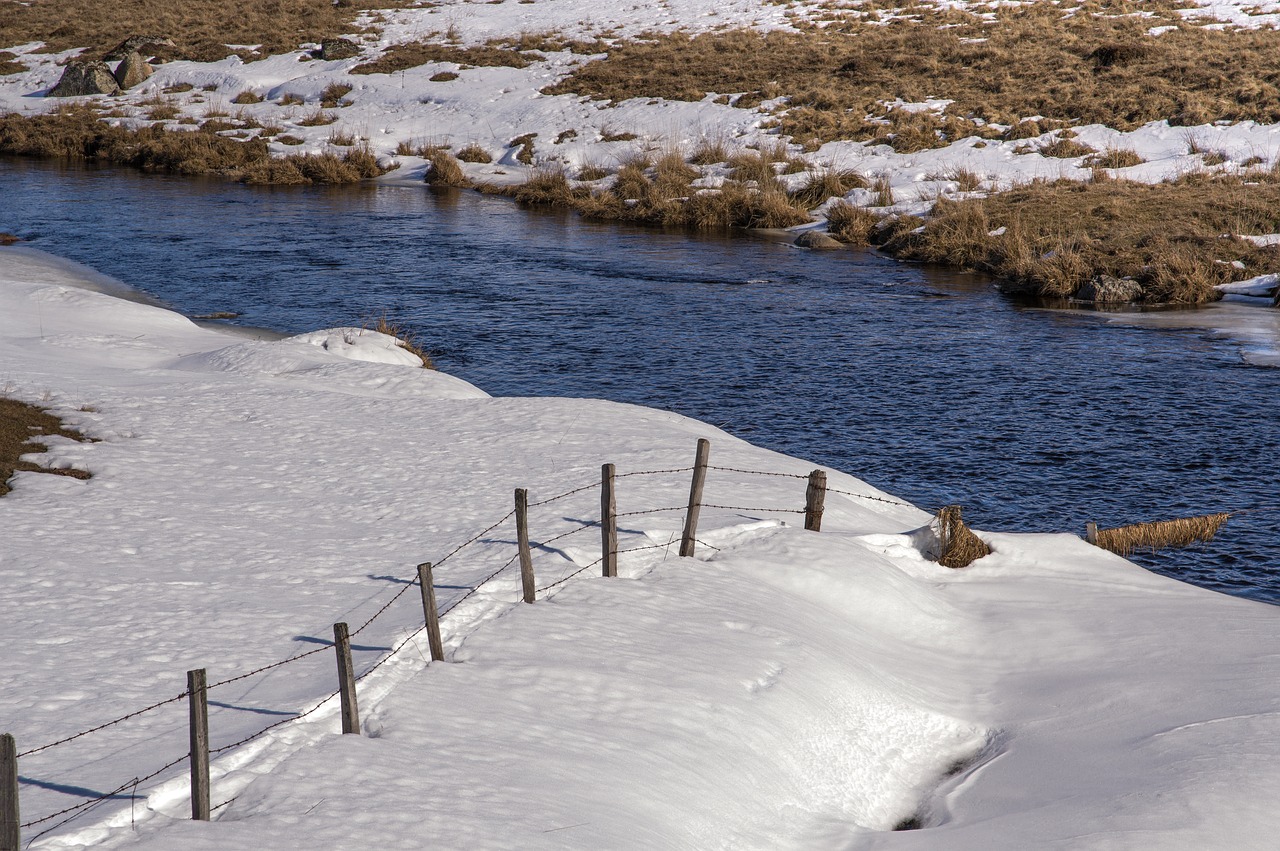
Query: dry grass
(443, 77)
(75, 133)
(9, 63)
(19, 423)
(1058, 235)
(525, 144)
(401, 57)
(444, 169)
(247, 97)
(851, 224)
(958, 546)
(405, 339)
(1098, 65)
(333, 94)
(201, 29)
(1159, 534)
(1065, 149)
(828, 183)
(473, 153)
(317, 118)
(1115, 158)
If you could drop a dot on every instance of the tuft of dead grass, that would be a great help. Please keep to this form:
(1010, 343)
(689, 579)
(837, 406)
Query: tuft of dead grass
(405, 338)
(333, 94)
(828, 183)
(473, 153)
(958, 546)
(850, 224)
(443, 169)
(1158, 534)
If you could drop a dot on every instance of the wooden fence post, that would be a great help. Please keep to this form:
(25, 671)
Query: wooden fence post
(1091, 533)
(814, 499)
(608, 523)
(429, 611)
(346, 680)
(198, 702)
(10, 823)
(695, 497)
(522, 540)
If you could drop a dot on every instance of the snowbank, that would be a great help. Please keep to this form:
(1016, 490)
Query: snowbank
(783, 689)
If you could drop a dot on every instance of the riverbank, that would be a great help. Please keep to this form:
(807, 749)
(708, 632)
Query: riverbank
(751, 114)
(803, 688)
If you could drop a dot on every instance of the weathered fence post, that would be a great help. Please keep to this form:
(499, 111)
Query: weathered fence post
(608, 523)
(429, 611)
(346, 680)
(10, 823)
(814, 499)
(198, 702)
(522, 540)
(1091, 533)
(695, 497)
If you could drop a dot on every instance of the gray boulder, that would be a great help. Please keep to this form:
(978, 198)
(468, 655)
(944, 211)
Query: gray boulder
(818, 239)
(85, 77)
(133, 69)
(338, 48)
(1104, 289)
(143, 44)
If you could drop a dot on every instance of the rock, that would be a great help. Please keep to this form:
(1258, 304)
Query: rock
(1104, 289)
(143, 44)
(338, 48)
(818, 239)
(133, 69)
(85, 77)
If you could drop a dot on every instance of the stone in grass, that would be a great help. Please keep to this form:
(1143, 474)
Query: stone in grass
(133, 69)
(1104, 289)
(85, 77)
(337, 48)
(818, 239)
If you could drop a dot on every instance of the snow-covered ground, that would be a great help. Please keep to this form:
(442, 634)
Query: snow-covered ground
(782, 689)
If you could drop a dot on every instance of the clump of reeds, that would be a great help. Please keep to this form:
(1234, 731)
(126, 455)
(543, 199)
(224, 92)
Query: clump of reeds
(1124, 540)
(959, 547)
(851, 224)
(443, 169)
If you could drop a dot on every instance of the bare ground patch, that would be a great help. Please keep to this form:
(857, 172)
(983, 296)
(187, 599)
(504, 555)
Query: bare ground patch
(19, 424)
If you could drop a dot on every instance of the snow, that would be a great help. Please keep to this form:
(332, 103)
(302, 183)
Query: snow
(782, 689)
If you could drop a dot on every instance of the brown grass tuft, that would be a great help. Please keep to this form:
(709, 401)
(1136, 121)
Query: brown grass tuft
(958, 546)
(405, 339)
(1124, 540)
(333, 94)
(828, 183)
(473, 153)
(851, 224)
(444, 169)
(318, 118)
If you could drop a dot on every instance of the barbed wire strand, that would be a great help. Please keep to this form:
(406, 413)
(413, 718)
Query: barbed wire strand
(103, 726)
(741, 508)
(758, 472)
(84, 806)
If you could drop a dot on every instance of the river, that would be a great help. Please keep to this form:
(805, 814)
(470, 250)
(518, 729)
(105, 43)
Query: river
(925, 382)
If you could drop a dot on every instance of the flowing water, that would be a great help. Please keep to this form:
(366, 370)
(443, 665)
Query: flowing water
(926, 383)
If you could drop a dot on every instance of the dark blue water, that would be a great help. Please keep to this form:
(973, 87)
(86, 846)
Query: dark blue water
(926, 383)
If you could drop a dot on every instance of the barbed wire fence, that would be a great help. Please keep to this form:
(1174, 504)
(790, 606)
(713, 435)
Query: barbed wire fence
(817, 489)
